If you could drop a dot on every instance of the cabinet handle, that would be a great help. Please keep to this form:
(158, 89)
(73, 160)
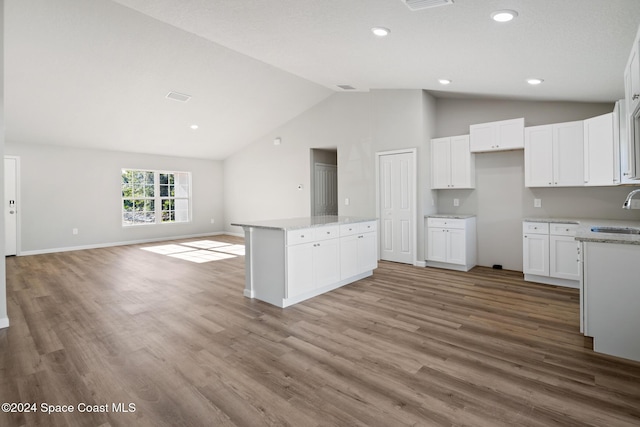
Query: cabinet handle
(635, 96)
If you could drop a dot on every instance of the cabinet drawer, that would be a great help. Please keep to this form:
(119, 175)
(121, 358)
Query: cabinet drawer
(563, 229)
(446, 223)
(367, 227)
(535, 227)
(296, 237)
(328, 232)
(349, 229)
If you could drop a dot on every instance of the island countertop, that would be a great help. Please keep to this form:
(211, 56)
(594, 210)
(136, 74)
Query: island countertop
(303, 222)
(584, 233)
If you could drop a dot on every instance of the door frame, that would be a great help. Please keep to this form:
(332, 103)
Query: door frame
(414, 198)
(18, 202)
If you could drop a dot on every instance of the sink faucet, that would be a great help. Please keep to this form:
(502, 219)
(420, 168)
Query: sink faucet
(627, 203)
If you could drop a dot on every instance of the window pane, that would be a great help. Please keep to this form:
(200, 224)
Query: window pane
(149, 190)
(164, 179)
(164, 191)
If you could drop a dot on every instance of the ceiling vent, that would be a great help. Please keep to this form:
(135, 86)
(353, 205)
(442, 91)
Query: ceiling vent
(178, 96)
(346, 87)
(425, 4)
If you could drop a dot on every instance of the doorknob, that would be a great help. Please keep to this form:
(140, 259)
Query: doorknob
(11, 212)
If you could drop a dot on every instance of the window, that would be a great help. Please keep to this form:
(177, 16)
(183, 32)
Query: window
(154, 197)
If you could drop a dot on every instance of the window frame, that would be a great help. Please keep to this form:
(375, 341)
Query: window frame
(157, 199)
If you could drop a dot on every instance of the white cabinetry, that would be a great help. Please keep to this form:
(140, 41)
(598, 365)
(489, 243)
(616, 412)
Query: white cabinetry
(554, 155)
(599, 150)
(625, 152)
(451, 243)
(452, 164)
(611, 295)
(496, 136)
(632, 79)
(550, 253)
(357, 248)
(287, 265)
(313, 259)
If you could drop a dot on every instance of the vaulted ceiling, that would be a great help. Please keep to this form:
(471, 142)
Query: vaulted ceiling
(96, 74)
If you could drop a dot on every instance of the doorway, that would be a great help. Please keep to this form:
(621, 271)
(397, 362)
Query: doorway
(324, 182)
(396, 190)
(11, 175)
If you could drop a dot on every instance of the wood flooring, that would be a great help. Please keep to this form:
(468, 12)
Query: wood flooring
(407, 346)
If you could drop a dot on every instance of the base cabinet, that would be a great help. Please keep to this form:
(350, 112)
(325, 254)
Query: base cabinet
(451, 243)
(287, 267)
(550, 253)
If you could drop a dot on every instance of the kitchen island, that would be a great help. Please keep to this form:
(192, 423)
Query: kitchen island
(290, 260)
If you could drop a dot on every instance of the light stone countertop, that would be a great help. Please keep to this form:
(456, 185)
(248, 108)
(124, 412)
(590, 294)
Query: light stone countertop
(303, 222)
(584, 233)
(452, 216)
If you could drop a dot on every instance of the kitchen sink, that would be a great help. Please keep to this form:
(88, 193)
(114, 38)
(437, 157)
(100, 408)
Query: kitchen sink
(616, 230)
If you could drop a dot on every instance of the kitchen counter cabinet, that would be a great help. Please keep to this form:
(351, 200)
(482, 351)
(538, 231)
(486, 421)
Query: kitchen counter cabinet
(290, 260)
(611, 296)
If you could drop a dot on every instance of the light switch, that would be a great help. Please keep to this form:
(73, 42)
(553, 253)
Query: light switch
(346, 201)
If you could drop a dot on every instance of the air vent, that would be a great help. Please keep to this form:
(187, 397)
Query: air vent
(425, 4)
(346, 87)
(178, 96)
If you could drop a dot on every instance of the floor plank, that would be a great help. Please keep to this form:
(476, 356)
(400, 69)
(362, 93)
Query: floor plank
(406, 346)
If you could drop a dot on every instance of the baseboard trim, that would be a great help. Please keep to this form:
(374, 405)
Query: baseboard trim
(125, 243)
(4, 322)
(420, 263)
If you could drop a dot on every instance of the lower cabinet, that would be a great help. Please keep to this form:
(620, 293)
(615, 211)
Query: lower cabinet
(358, 249)
(550, 253)
(312, 265)
(451, 243)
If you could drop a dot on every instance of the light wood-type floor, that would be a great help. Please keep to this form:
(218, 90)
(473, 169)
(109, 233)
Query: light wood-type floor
(407, 346)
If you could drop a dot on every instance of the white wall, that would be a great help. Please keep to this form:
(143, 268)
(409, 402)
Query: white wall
(261, 180)
(500, 199)
(65, 188)
(4, 318)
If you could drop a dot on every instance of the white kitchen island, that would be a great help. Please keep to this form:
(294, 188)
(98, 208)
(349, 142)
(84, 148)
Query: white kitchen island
(291, 260)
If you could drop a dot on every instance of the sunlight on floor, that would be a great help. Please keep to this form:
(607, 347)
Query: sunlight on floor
(199, 251)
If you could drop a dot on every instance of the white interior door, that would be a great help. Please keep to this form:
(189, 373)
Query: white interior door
(397, 199)
(326, 189)
(10, 206)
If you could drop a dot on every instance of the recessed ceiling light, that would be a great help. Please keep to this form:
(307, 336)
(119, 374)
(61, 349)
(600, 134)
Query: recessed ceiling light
(534, 82)
(380, 31)
(194, 127)
(444, 81)
(504, 15)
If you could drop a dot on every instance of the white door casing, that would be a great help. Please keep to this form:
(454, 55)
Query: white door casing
(397, 205)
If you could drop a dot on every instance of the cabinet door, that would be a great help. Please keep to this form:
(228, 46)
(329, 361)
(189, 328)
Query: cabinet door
(564, 257)
(367, 252)
(299, 269)
(632, 80)
(456, 246)
(482, 137)
(510, 134)
(440, 163)
(598, 150)
(349, 256)
(568, 154)
(535, 254)
(627, 165)
(326, 262)
(538, 156)
(437, 244)
(462, 168)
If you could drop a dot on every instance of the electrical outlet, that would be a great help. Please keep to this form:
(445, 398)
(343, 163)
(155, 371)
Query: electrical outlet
(635, 204)
(213, 221)
(346, 201)
(456, 202)
(74, 231)
(537, 203)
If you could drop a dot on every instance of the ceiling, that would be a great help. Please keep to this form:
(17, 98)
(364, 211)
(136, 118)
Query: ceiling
(95, 74)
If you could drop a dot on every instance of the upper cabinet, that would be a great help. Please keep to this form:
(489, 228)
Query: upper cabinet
(599, 159)
(623, 155)
(632, 80)
(553, 155)
(497, 136)
(452, 164)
